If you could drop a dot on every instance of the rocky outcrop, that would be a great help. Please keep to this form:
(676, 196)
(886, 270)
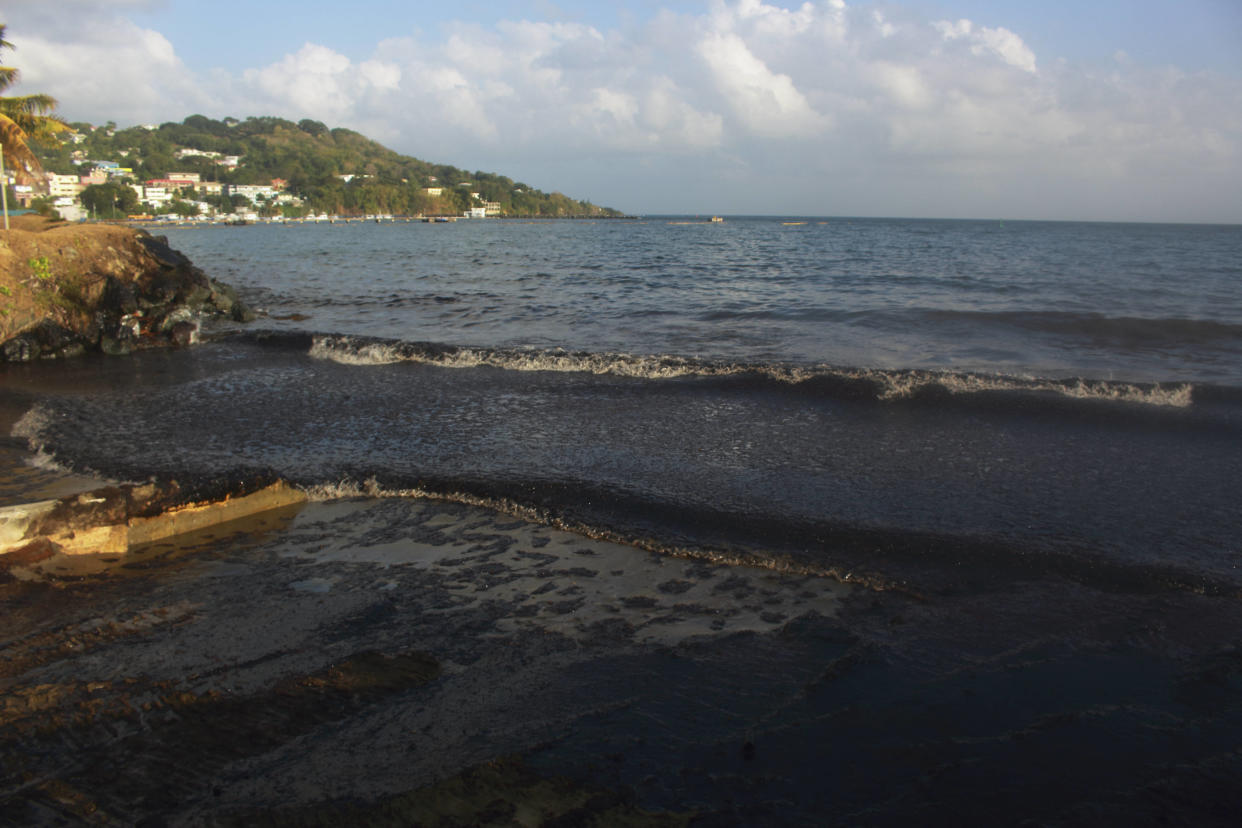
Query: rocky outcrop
(69, 289)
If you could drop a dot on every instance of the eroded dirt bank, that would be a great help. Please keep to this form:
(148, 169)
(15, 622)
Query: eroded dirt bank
(68, 289)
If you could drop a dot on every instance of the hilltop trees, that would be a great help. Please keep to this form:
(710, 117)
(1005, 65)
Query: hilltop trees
(23, 118)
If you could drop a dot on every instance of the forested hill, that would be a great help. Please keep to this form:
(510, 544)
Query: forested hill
(335, 171)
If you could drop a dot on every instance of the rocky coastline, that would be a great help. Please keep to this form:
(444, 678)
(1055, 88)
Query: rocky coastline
(68, 290)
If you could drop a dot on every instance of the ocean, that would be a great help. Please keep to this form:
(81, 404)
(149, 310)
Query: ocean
(993, 468)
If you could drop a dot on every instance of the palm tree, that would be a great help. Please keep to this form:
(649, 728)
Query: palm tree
(23, 118)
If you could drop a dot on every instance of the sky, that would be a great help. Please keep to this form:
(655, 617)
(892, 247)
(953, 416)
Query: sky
(1112, 110)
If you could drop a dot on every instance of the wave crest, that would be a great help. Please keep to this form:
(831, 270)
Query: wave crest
(880, 384)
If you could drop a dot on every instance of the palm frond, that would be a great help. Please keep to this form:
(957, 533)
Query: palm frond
(27, 105)
(13, 140)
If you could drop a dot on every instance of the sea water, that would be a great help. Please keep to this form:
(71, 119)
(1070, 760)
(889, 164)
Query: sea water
(1045, 395)
(1050, 299)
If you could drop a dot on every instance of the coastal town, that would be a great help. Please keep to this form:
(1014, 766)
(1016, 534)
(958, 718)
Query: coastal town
(157, 196)
(259, 169)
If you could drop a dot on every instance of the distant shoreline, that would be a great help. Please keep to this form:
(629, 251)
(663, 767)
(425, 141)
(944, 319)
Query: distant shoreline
(147, 224)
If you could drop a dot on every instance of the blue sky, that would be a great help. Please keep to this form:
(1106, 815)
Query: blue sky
(953, 108)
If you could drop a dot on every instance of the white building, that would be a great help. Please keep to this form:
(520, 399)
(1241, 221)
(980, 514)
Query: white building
(253, 192)
(156, 196)
(188, 153)
(59, 186)
(69, 209)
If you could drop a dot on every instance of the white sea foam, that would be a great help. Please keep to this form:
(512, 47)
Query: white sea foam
(366, 354)
(30, 428)
(904, 385)
(887, 385)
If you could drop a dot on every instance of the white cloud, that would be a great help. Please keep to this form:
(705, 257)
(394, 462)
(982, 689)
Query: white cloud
(1001, 42)
(827, 106)
(314, 79)
(122, 72)
(882, 25)
(766, 102)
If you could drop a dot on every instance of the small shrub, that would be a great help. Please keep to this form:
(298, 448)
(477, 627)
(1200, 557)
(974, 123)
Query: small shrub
(42, 267)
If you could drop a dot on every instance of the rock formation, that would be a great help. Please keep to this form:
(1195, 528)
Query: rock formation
(69, 289)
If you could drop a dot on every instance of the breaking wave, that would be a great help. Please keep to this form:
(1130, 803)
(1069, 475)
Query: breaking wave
(880, 384)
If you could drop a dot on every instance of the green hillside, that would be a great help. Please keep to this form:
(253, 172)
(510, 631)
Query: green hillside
(313, 160)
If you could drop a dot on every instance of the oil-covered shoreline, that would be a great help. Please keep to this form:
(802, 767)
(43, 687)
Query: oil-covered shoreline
(886, 597)
(380, 659)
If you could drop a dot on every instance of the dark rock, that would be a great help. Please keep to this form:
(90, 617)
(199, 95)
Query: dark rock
(224, 299)
(18, 349)
(121, 337)
(119, 296)
(47, 340)
(182, 334)
(158, 247)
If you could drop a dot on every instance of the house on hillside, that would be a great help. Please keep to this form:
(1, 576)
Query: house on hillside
(155, 196)
(253, 192)
(63, 186)
(170, 184)
(194, 153)
(69, 208)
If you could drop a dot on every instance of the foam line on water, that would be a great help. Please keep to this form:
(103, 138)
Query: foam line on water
(887, 385)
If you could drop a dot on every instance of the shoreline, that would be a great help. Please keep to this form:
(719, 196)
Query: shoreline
(354, 657)
(309, 622)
